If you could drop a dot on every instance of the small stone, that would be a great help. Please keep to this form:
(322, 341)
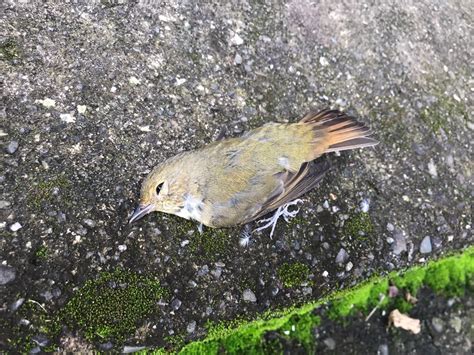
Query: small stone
(184, 243)
(330, 343)
(325, 273)
(217, 272)
(133, 80)
(456, 323)
(46, 102)
(176, 304)
(81, 109)
(122, 248)
(383, 349)
(400, 244)
(238, 59)
(323, 61)
(191, 327)
(236, 40)
(390, 227)
(437, 324)
(12, 147)
(365, 205)
(432, 169)
(4, 204)
(7, 274)
(132, 349)
(249, 296)
(349, 266)
(307, 291)
(17, 304)
(180, 81)
(342, 256)
(15, 227)
(425, 246)
(67, 117)
(89, 222)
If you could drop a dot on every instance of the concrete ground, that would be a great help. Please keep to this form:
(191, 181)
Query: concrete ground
(94, 95)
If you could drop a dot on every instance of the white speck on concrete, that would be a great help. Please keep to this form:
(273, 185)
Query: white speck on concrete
(46, 102)
(180, 81)
(67, 117)
(81, 109)
(15, 227)
(122, 248)
(134, 80)
(323, 61)
(432, 169)
(236, 40)
(365, 205)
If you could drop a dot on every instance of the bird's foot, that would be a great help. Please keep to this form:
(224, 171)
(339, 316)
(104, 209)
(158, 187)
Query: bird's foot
(281, 211)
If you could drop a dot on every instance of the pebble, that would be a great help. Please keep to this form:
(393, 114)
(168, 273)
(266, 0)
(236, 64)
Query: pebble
(432, 169)
(67, 118)
(383, 349)
(4, 204)
(323, 61)
(132, 349)
(437, 324)
(330, 343)
(89, 222)
(425, 246)
(191, 327)
(12, 147)
(456, 323)
(400, 244)
(7, 274)
(17, 304)
(122, 248)
(236, 40)
(176, 304)
(15, 227)
(342, 256)
(249, 296)
(349, 266)
(237, 59)
(390, 227)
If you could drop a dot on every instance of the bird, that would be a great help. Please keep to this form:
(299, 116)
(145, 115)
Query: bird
(238, 180)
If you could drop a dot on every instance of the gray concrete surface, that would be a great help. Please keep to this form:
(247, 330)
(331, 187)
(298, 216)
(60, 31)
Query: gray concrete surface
(94, 95)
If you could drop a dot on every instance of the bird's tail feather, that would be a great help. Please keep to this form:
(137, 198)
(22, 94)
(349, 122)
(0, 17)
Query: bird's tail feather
(341, 131)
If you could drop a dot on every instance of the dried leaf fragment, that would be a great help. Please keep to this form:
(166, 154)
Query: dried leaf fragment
(400, 320)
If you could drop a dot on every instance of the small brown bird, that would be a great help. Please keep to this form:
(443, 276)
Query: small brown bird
(237, 180)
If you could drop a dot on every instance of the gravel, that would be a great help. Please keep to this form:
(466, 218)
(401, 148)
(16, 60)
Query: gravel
(7, 274)
(249, 296)
(425, 246)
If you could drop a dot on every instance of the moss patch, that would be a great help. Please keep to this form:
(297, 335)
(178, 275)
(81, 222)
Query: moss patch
(113, 305)
(294, 274)
(451, 276)
(45, 191)
(9, 50)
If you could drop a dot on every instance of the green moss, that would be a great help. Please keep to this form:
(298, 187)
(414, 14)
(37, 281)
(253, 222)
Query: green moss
(294, 274)
(9, 50)
(113, 305)
(451, 276)
(41, 253)
(359, 226)
(43, 192)
(437, 115)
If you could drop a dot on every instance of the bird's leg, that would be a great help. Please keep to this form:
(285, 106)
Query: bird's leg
(281, 211)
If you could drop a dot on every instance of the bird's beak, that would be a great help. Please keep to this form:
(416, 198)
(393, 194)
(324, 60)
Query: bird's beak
(141, 211)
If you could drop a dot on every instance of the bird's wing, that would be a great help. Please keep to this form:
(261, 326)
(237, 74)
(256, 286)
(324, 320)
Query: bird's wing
(294, 185)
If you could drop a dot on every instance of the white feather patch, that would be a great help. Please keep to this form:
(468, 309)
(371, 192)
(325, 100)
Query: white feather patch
(192, 208)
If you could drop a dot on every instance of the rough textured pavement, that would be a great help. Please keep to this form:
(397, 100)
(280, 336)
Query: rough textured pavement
(93, 96)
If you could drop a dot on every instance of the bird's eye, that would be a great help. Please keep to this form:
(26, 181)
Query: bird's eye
(158, 188)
